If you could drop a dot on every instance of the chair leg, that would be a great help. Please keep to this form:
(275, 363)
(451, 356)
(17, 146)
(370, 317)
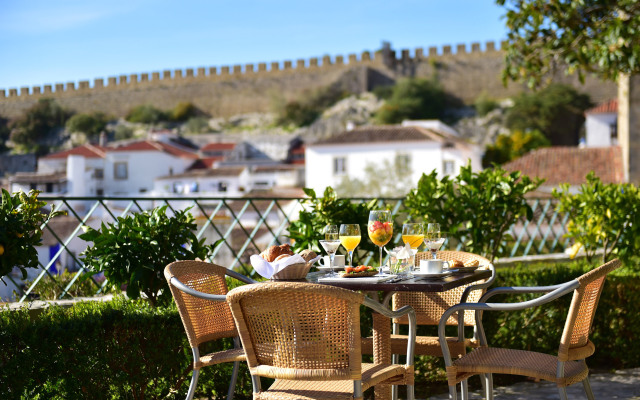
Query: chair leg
(411, 395)
(234, 379)
(563, 393)
(193, 384)
(453, 393)
(464, 390)
(394, 392)
(587, 388)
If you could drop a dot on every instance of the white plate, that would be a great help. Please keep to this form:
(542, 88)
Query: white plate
(421, 274)
(327, 269)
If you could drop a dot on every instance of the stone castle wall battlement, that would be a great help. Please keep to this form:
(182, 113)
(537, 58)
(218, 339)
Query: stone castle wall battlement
(178, 76)
(228, 90)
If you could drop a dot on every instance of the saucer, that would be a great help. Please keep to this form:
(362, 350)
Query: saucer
(420, 274)
(327, 269)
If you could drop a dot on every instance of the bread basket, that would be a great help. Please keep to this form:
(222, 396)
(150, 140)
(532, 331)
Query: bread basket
(293, 271)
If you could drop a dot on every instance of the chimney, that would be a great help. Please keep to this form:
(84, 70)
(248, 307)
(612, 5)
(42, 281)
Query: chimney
(103, 139)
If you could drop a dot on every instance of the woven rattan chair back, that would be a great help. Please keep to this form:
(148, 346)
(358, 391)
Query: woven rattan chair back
(203, 320)
(575, 343)
(296, 330)
(430, 306)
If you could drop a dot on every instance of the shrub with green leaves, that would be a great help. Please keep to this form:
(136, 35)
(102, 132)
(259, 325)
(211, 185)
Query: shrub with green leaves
(146, 114)
(603, 216)
(475, 209)
(413, 98)
(21, 217)
(319, 212)
(135, 250)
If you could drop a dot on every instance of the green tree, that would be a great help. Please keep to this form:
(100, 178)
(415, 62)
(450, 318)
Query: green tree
(4, 133)
(413, 98)
(38, 125)
(306, 109)
(583, 36)
(484, 104)
(146, 114)
(197, 125)
(475, 209)
(183, 111)
(89, 124)
(386, 179)
(123, 132)
(557, 111)
(510, 147)
(603, 216)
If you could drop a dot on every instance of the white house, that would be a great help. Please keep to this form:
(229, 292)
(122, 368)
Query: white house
(223, 182)
(601, 125)
(423, 150)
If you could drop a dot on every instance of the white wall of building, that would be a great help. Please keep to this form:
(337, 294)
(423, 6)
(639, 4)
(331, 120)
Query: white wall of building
(195, 185)
(424, 157)
(598, 129)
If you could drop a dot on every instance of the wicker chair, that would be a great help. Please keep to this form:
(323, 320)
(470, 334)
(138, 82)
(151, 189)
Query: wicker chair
(430, 306)
(307, 337)
(566, 368)
(199, 290)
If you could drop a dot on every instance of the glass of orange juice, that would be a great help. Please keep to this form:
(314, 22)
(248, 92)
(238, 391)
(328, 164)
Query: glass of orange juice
(350, 238)
(413, 234)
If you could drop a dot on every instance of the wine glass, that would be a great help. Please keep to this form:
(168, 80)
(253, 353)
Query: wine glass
(414, 235)
(434, 239)
(350, 238)
(380, 229)
(330, 244)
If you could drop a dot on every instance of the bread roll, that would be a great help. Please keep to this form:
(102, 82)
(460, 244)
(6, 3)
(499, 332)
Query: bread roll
(472, 263)
(273, 252)
(308, 255)
(456, 264)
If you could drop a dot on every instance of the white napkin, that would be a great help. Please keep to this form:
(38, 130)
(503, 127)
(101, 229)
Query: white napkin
(267, 269)
(402, 253)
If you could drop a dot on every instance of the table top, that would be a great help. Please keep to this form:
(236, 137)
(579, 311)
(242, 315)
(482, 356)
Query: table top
(407, 285)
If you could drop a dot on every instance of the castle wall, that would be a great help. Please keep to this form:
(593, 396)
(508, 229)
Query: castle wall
(226, 91)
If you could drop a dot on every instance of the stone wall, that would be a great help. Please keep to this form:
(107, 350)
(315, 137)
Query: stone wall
(226, 91)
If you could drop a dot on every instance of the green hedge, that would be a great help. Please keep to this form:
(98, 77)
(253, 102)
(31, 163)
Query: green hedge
(121, 349)
(125, 349)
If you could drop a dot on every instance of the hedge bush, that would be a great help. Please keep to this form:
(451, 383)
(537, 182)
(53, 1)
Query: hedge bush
(126, 349)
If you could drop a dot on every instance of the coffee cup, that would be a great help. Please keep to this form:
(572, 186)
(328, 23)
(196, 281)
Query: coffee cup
(338, 261)
(433, 266)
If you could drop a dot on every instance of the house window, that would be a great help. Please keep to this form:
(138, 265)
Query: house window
(49, 187)
(99, 192)
(98, 173)
(404, 161)
(33, 186)
(613, 131)
(448, 167)
(222, 186)
(339, 165)
(120, 170)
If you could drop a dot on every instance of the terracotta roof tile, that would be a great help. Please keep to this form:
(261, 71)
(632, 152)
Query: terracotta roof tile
(386, 133)
(149, 145)
(204, 163)
(571, 164)
(86, 150)
(610, 106)
(218, 147)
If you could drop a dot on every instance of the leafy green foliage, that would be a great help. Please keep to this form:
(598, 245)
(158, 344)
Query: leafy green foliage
(583, 36)
(30, 132)
(183, 111)
(319, 212)
(413, 98)
(135, 250)
(484, 104)
(89, 124)
(21, 217)
(603, 216)
(146, 114)
(557, 111)
(123, 132)
(475, 209)
(4, 133)
(510, 147)
(197, 125)
(385, 179)
(120, 349)
(304, 111)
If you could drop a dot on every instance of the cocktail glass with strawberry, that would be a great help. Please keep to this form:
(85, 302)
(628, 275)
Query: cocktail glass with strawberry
(380, 228)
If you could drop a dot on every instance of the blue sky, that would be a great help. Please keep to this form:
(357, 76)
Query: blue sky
(48, 42)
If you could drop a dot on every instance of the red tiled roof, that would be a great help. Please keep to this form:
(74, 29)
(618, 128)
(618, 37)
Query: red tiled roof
(149, 145)
(387, 133)
(571, 164)
(204, 163)
(86, 150)
(608, 107)
(218, 147)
